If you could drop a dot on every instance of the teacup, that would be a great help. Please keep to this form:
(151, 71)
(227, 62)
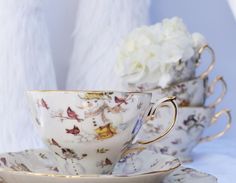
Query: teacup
(88, 130)
(193, 92)
(183, 71)
(187, 132)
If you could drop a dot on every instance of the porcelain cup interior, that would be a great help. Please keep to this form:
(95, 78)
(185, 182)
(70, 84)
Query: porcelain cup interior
(187, 132)
(88, 130)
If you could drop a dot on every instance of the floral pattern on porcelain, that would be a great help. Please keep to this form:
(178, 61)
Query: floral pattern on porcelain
(186, 134)
(191, 93)
(76, 125)
(39, 161)
(134, 160)
(105, 115)
(186, 175)
(28, 161)
(40, 168)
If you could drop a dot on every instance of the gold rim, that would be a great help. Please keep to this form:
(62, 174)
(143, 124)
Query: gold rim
(87, 91)
(214, 120)
(211, 89)
(88, 176)
(153, 115)
(91, 175)
(212, 64)
(135, 149)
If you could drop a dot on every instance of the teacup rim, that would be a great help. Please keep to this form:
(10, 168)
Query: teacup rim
(88, 91)
(199, 78)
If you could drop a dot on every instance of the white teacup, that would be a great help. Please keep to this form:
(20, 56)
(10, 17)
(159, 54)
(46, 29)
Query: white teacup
(180, 72)
(193, 92)
(187, 132)
(88, 130)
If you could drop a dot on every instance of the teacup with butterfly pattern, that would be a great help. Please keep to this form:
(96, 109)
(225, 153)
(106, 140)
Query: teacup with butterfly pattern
(88, 130)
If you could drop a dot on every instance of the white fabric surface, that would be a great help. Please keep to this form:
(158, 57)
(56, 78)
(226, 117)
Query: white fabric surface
(217, 158)
(25, 63)
(232, 4)
(100, 26)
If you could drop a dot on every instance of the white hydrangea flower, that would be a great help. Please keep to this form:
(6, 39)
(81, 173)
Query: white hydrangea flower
(198, 40)
(148, 52)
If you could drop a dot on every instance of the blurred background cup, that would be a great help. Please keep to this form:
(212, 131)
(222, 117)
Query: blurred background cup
(188, 131)
(193, 92)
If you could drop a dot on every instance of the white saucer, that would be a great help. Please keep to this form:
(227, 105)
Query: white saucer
(34, 166)
(188, 175)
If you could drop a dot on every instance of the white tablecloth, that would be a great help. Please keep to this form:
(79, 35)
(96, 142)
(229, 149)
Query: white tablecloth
(217, 158)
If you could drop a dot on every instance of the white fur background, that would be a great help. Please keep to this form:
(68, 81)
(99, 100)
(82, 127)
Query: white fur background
(25, 63)
(97, 34)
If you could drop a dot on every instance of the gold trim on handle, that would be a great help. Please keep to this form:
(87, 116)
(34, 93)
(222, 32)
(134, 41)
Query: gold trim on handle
(214, 120)
(211, 89)
(212, 64)
(152, 115)
(132, 150)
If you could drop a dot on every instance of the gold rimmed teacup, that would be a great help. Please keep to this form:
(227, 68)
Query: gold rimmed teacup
(193, 92)
(88, 130)
(179, 72)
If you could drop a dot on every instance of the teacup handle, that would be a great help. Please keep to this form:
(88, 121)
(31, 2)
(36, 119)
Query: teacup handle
(152, 114)
(211, 89)
(212, 64)
(214, 120)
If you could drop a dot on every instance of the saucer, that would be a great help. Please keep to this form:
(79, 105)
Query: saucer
(186, 175)
(35, 166)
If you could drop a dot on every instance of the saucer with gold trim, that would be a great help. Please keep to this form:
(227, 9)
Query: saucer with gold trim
(35, 166)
